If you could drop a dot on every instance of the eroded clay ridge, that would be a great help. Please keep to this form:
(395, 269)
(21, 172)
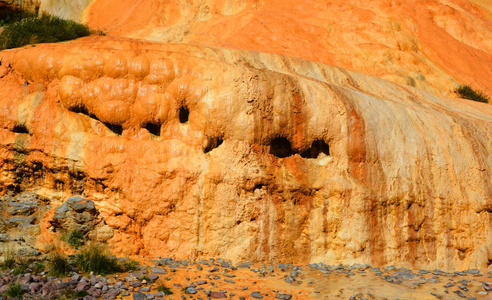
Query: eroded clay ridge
(190, 151)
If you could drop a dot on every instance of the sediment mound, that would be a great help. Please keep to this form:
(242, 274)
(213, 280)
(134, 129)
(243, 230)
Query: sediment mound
(189, 151)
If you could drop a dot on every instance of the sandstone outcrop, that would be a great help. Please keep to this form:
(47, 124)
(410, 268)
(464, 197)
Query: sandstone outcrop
(190, 151)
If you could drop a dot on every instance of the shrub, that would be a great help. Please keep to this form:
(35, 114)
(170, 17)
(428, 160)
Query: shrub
(74, 238)
(8, 262)
(94, 259)
(466, 92)
(21, 267)
(38, 268)
(14, 291)
(164, 289)
(59, 265)
(43, 29)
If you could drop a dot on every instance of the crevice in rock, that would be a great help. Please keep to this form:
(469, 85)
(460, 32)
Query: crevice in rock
(184, 115)
(117, 129)
(154, 129)
(213, 143)
(281, 147)
(317, 147)
(19, 128)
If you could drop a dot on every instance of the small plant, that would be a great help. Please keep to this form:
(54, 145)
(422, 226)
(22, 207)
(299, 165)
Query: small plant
(21, 267)
(466, 92)
(8, 262)
(164, 289)
(74, 238)
(14, 291)
(94, 259)
(128, 265)
(59, 265)
(38, 268)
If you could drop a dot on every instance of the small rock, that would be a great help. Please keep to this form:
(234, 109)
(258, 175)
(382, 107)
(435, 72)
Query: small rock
(160, 271)
(284, 296)
(486, 286)
(256, 295)
(190, 290)
(217, 295)
(138, 296)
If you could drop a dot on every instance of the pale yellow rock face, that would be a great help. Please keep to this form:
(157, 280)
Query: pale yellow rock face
(279, 159)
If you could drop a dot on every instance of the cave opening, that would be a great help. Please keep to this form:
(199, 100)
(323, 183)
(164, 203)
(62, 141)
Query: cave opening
(281, 147)
(317, 147)
(154, 129)
(213, 143)
(19, 128)
(184, 115)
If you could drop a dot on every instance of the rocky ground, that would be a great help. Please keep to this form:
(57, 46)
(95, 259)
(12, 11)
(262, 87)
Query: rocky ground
(216, 279)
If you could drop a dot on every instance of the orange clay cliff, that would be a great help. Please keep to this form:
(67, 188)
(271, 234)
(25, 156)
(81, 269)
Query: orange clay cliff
(296, 131)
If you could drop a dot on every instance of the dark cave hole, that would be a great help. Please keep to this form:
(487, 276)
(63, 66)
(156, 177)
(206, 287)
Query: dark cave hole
(154, 129)
(317, 147)
(281, 147)
(184, 115)
(20, 129)
(213, 143)
(118, 129)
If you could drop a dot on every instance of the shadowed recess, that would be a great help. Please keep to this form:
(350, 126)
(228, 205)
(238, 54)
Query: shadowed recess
(154, 129)
(184, 115)
(281, 147)
(213, 143)
(118, 129)
(19, 128)
(317, 147)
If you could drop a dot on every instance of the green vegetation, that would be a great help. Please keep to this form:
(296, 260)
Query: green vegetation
(74, 238)
(94, 259)
(8, 262)
(21, 266)
(24, 28)
(14, 291)
(466, 92)
(38, 268)
(164, 289)
(59, 265)
(43, 29)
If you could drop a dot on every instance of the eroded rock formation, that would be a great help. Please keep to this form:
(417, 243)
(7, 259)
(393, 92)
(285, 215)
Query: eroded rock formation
(190, 151)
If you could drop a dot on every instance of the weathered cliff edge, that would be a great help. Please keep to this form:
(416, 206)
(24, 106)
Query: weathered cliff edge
(278, 159)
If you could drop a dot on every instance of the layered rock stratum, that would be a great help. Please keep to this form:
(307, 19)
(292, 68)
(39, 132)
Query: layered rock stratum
(198, 150)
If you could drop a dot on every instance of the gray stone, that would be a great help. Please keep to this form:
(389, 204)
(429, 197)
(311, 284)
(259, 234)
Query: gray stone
(284, 296)
(190, 290)
(138, 296)
(486, 286)
(160, 271)
(256, 295)
(82, 286)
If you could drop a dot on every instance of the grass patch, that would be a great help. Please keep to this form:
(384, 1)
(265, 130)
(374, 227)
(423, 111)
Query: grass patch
(164, 289)
(39, 267)
(94, 259)
(8, 262)
(21, 267)
(59, 265)
(43, 29)
(14, 291)
(466, 92)
(74, 238)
